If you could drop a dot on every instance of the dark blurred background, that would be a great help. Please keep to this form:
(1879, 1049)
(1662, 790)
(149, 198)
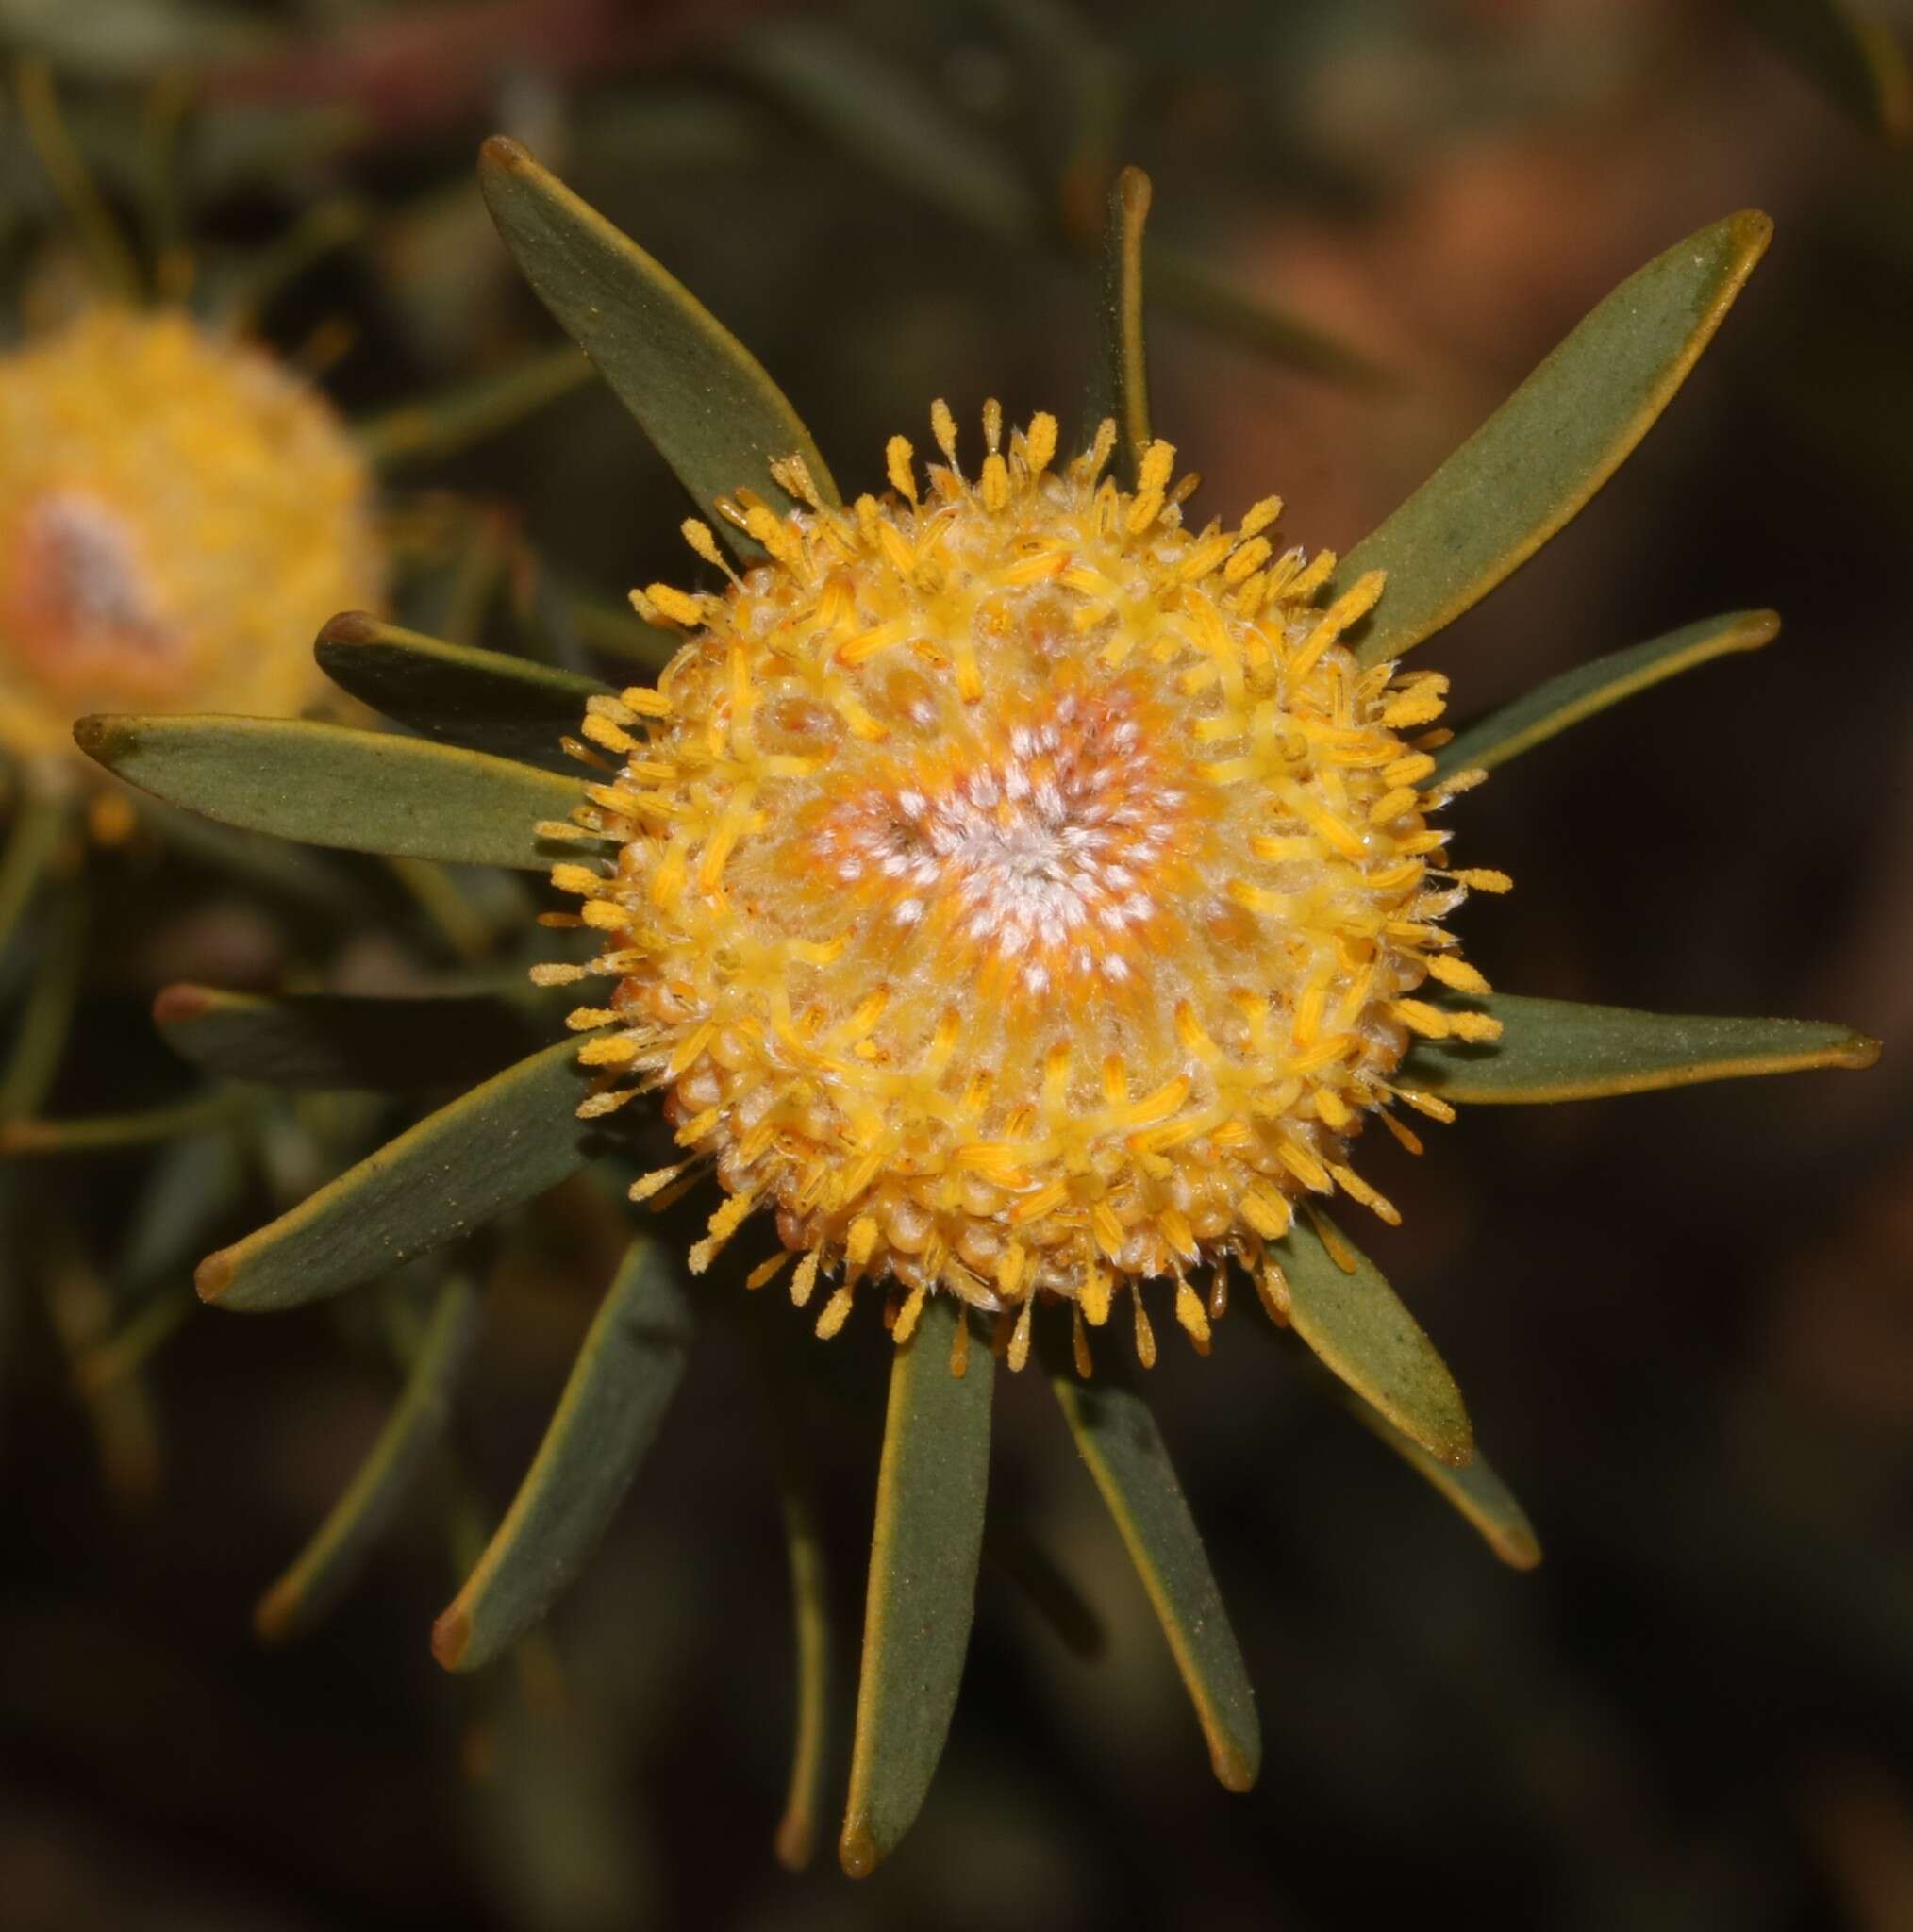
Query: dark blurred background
(1684, 1321)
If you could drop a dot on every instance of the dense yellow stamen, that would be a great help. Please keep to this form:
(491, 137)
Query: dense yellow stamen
(1020, 896)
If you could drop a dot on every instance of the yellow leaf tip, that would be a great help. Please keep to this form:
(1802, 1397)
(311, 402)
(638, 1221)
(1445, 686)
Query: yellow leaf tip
(794, 1844)
(856, 1852)
(213, 1277)
(1235, 1770)
(1859, 1051)
(350, 627)
(451, 1638)
(174, 1005)
(500, 151)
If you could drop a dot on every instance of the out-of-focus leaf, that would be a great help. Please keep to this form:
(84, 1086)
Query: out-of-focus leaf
(1357, 1325)
(341, 1040)
(1847, 52)
(109, 255)
(190, 1186)
(702, 397)
(1183, 282)
(502, 1143)
(620, 1387)
(128, 1350)
(1118, 383)
(1545, 451)
(240, 292)
(130, 39)
(796, 1834)
(330, 785)
(877, 112)
(1563, 1050)
(442, 425)
(487, 700)
(1580, 694)
(325, 1567)
(294, 873)
(44, 1018)
(1124, 1452)
(922, 1582)
(1475, 1491)
(102, 1133)
(1046, 1586)
(32, 839)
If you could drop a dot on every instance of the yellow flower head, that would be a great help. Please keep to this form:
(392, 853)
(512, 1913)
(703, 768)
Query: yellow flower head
(1018, 894)
(178, 514)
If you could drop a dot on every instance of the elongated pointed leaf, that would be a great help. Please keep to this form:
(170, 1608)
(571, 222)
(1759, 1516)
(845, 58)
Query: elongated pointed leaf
(1848, 53)
(1357, 1325)
(1588, 689)
(327, 1567)
(332, 785)
(1539, 457)
(486, 700)
(340, 1040)
(922, 1582)
(1562, 1050)
(702, 397)
(1119, 1440)
(502, 1143)
(620, 1387)
(1119, 386)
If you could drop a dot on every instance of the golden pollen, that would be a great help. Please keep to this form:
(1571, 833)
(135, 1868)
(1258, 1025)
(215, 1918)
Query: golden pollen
(178, 514)
(1017, 893)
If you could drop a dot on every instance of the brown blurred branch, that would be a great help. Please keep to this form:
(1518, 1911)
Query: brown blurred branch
(429, 69)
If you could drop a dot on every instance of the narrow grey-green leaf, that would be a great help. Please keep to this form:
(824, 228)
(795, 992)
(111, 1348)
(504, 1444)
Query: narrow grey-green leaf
(1119, 381)
(1357, 1325)
(620, 1387)
(341, 1041)
(1588, 689)
(501, 1144)
(487, 700)
(1545, 451)
(332, 785)
(1124, 1449)
(922, 1581)
(702, 397)
(325, 1567)
(1848, 52)
(1565, 1050)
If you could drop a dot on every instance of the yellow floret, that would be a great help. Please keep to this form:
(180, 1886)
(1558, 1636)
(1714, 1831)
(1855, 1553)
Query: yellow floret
(1016, 888)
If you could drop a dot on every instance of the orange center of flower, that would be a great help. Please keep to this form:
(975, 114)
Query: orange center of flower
(1015, 893)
